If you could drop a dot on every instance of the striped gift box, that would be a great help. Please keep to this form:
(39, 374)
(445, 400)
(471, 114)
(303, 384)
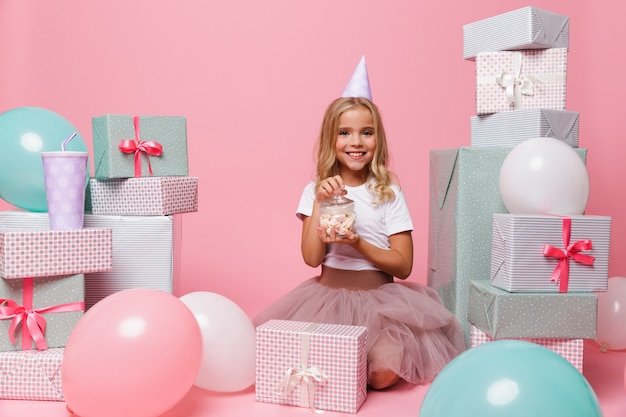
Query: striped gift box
(519, 261)
(513, 127)
(525, 28)
(144, 196)
(521, 80)
(570, 349)
(320, 366)
(146, 251)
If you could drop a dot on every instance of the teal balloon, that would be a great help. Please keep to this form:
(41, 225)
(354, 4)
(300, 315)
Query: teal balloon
(510, 378)
(25, 132)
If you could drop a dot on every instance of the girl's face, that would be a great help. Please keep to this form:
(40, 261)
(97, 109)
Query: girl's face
(355, 145)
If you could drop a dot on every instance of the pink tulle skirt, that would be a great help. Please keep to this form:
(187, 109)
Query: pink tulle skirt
(409, 331)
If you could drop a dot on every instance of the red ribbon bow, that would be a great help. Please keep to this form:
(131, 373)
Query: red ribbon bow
(32, 321)
(561, 272)
(136, 146)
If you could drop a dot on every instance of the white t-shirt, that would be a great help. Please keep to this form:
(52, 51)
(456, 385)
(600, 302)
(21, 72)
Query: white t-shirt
(374, 223)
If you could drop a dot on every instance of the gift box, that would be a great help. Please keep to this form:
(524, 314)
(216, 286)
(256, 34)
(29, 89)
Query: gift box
(521, 80)
(31, 375)
(513, 127)
(525, 28)
(544, 253)
(504, 315)
(570, 349)
(40, 253)
(146, 251)
(144, 196)
(464, 195)
(321, 366)
(127, 146)
(39, 313)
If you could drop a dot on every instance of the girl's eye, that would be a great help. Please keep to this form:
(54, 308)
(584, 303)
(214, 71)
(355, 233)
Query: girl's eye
(368, 132)
(343, 132)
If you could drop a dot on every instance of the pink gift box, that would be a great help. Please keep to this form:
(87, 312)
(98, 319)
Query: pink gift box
(321, 366)
(570, 349)
(43, 253)
(31, 375)
(521, 80)
(144, 196)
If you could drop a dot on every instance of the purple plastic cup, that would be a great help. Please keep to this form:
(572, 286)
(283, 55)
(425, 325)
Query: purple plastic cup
(65, 175)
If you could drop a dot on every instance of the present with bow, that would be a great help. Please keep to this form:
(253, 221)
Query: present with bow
(545, 253)
(521, 80)
(313, 365)
(39, 313)
(127, 146)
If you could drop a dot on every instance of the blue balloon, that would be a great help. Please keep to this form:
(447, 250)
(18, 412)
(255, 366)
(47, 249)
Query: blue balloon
(25, 132)
(510, 378)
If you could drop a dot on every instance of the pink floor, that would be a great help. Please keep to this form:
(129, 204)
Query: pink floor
(604, 371)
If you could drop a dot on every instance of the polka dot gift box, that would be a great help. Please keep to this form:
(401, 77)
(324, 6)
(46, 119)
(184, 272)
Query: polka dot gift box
(313, 365)
(31, 375)
(505, 315)
(570, 349)
(126, 146)
(144, 196)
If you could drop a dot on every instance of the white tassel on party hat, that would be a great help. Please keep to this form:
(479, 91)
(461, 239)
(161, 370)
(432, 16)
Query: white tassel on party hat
(359, 84)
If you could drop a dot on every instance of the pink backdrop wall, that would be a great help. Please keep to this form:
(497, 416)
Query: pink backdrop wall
(253, 79)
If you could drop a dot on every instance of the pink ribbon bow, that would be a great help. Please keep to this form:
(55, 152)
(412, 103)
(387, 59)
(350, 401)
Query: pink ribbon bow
(136, 146)
(32, 321)
(561, 272)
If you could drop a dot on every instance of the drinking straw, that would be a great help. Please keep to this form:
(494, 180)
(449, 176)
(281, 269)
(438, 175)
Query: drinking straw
(66, 141)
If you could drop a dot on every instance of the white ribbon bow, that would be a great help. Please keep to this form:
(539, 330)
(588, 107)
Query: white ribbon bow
(517, 85)
(296, 375)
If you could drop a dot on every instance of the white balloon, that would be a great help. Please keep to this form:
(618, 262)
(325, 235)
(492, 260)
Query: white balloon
(611, 330)
(229, 342)
(544, 176)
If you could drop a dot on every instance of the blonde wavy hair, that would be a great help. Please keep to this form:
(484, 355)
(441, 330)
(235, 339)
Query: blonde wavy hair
(379, 177)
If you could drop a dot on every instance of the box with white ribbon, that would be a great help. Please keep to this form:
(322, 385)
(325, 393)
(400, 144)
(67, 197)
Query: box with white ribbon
(525, 28)
(521, 80)
(313, 365)
(543, 253)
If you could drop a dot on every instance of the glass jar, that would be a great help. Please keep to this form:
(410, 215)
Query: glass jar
(337, 214)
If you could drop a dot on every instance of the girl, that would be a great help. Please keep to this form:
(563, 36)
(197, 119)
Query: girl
(411, 335)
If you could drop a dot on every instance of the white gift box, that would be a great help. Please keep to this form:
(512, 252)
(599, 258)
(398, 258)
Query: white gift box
(570, 349)
(146, 251)
(315, 365)
(521, 80)
(528, 253)
(525, 28)
(511, 128)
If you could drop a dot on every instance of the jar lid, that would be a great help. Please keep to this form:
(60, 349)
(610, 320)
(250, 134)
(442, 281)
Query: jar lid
(336, 201)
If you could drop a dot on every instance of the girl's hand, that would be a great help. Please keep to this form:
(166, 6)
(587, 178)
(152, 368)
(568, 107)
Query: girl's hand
(330, 187)
(349, 238)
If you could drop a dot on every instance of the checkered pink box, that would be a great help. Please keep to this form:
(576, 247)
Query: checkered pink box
(321, 366)
(43, 253)
(144, 196)
(31, 375)
(521, 80)
(570, 349)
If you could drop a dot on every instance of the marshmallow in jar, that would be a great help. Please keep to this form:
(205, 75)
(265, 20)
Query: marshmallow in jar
(337, 214)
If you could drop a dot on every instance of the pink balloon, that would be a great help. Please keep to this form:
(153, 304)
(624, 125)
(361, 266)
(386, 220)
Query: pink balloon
(611, 328)
(135, 353)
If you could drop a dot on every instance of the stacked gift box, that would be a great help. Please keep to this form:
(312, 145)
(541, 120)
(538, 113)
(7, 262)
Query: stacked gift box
(42, 297)
(130, 239)
(483, 260)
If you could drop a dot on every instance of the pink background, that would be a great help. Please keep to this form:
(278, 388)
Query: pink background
(253, 79)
